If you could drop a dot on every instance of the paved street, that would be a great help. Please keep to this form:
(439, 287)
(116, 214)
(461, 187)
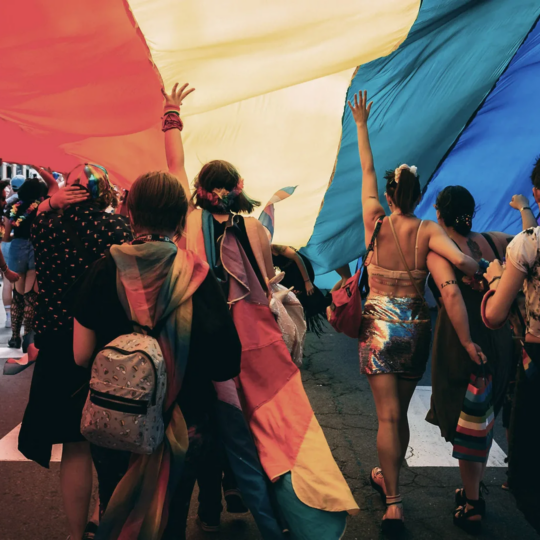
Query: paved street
(31, 506)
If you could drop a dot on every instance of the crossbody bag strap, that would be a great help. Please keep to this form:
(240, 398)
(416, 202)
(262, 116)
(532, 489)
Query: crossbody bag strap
(376, 231)
(413, 281)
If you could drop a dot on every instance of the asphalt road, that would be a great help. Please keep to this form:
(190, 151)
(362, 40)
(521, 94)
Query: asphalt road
(30, 501)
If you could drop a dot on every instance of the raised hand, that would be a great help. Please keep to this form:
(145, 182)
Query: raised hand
(177, 95)
(519, 201)
(361, 108)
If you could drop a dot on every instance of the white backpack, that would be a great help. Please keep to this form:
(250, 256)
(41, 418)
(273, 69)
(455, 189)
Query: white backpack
(124, 408)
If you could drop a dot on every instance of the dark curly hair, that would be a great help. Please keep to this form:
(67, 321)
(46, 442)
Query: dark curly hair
(535, 176)
(219, 174)
(406, 192)
(457, 208)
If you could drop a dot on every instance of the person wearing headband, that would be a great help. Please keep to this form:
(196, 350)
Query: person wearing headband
(395, 333)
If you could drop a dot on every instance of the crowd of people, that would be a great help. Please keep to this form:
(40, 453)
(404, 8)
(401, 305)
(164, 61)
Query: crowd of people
(105, 283)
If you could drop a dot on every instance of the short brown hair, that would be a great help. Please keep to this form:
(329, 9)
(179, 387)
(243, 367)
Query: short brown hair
(219, 174)
(157, 202)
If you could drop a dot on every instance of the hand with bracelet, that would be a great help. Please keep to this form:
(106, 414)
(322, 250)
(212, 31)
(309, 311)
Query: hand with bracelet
(494, 273)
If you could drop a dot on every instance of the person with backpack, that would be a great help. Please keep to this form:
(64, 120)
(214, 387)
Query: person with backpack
(311, 492)
(395, 331)
(452, 364)
(159, 320)
(71, 231)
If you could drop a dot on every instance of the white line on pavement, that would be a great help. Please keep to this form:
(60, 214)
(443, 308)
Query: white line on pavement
(427, 448)
(6, 352)
(9, 448)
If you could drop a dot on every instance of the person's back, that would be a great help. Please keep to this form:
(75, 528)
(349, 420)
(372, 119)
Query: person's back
(395, 333)
(151, 284)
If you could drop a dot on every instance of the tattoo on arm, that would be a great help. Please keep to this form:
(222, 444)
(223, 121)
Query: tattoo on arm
(449, 282)
(475, 249)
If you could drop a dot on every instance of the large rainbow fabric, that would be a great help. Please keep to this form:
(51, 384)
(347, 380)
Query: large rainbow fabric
(454, 85)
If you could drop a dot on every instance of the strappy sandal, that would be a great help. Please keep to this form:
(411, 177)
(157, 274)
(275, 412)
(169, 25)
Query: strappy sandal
(90, 531)
(376, 473)
(461, 497)
(462, 517)
(393, 527)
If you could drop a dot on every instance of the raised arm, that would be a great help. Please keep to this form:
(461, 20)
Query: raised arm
(48, 178)
(521, 203)
(440, 243)
(371, 206)
(445, 279)
(174, 147)
(293, 255)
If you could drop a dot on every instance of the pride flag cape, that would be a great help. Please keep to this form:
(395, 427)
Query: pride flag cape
(155, 281)
(291, 444)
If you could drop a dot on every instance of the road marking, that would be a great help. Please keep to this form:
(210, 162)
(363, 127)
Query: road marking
(427, 448)
(9, 448)
(6, 352)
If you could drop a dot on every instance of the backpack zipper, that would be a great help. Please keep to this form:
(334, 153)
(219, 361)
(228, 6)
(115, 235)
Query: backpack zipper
(126, 353)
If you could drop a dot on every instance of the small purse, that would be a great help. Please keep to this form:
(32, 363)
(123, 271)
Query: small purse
(474, 432)
(345, 311)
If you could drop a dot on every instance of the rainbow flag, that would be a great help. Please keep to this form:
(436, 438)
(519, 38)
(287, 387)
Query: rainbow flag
(267, 215)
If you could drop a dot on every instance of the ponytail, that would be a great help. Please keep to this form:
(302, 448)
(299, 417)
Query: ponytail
(403, 187)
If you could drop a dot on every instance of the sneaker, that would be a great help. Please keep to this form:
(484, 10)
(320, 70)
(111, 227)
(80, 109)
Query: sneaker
(235, 503)
(209, 526)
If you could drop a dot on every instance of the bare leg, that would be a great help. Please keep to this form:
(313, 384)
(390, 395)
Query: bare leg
(392, 397)
(406, 389)
(76, 483)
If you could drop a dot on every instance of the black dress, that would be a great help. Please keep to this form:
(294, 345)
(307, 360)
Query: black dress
(57, 393)
(314, 305)
(452, 366)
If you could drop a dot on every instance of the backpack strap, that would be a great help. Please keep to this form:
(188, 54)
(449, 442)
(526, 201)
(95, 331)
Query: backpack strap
(413, 281)
(261, 247)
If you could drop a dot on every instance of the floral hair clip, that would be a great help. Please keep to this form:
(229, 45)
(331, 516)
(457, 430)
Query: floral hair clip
(397, 172)
(221, 196)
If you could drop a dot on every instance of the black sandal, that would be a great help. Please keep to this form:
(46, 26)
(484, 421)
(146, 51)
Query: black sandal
(461, 497)
(393, 527)
(378, 488)
(462, 518)
(90, 531)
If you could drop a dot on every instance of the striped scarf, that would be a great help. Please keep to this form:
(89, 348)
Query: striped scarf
(155, 281)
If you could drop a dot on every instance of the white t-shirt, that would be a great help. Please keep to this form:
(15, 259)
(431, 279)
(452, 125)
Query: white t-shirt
(523, 252)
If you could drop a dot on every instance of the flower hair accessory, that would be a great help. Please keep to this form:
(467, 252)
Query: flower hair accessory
(220, 196)
(464, 218)
(397, 172)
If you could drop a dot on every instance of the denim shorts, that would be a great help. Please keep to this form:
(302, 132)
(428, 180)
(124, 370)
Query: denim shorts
(20, 256)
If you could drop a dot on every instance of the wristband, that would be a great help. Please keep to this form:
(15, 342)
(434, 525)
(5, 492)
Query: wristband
(525, 208)
(51, 206)
(494, 279)
(172, 112)
(171, 121)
